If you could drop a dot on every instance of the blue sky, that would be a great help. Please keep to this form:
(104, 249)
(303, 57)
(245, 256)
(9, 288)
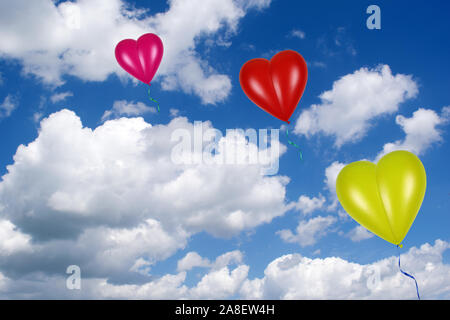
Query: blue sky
(59, 190)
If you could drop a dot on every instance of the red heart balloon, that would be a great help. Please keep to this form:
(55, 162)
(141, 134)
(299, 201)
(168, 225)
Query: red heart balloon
(276, 86)
(140, 58)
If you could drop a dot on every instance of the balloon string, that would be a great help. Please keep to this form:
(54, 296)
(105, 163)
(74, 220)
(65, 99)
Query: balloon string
(153, 100)
(294, 144)
(407, 274)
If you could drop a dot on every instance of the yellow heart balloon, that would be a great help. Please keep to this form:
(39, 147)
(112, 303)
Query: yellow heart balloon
(384, 198)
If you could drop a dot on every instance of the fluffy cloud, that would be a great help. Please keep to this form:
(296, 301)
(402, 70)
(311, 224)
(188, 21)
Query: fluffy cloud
(226, 259)
(307, 205)
(308, 232)
(167, 287)
(359, 233)
(421, 131)
(121, 255)
(291, 276)
(218, 283)
(294, 276)
(8, 105)
(192, 260)
(113, 200)
(52, 39)
(12, 240)
(346, 110)
(127, 108)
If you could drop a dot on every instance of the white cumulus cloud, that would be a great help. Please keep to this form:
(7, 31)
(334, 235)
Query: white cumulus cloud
(307, 205)
(290, 276)
(11, 239)
(359, 233)
(54, 39)
(113, 201)
(421, 131)
(346, 111)
(294, 276)
(308, 232)
(192, 260)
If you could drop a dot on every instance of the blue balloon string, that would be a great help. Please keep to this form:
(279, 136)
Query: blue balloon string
(407, 274)
(153, 100)
(294, 144)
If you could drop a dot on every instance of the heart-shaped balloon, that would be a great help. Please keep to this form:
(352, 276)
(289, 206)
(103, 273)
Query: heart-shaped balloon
(384, 198)
(276, 86)
(140, 58)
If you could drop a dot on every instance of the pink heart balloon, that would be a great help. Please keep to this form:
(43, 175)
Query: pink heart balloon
(140, 58)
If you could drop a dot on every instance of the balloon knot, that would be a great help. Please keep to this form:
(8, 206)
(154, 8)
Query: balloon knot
(400, 245)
